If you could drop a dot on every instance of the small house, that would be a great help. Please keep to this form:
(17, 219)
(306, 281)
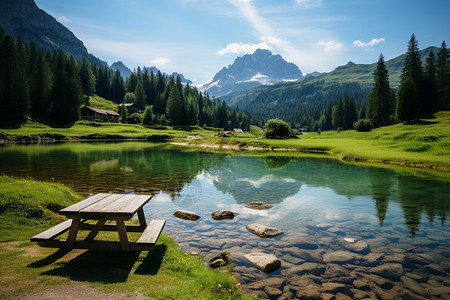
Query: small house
(131, 107)
(99, 115)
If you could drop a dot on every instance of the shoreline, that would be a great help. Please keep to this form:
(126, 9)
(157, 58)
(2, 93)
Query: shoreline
(336, 155)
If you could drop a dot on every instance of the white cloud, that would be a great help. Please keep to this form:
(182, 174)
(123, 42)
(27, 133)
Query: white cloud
(305, 4)
(161, 61)
(330, 45)
(250, 14)
(64, 19)
(242, 48)
(372, 42)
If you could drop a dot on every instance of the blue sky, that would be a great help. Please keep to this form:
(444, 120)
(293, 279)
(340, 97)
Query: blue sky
(200, 37)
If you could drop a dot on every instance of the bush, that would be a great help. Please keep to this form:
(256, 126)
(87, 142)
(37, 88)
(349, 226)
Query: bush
(363, 125)
(277, 129)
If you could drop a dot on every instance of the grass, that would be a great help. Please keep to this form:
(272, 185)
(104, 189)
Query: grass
(99, 102)
(86, 130)
(27, 207)
(424, 143)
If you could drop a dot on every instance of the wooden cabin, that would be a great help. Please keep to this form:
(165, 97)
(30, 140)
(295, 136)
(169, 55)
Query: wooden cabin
(99, 115)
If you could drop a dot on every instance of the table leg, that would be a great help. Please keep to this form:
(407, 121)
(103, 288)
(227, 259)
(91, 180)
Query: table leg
(122, 234)
(142, 221)
(72, 233)
(95, 230)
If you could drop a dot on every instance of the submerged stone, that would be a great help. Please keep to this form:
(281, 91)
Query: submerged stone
(187, 215)
(265, 262)
(223, 215)
(258, 205)
(263, 231)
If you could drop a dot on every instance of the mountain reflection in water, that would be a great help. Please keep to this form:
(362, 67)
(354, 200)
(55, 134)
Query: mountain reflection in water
(150, 168)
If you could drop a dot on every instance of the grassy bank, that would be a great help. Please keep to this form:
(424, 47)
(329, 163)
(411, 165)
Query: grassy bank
(423, 143)
(27, 207)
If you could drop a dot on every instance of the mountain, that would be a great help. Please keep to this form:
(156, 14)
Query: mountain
(24, 18)
(250, 71)
(363, 73)
(183, 80)
(284, 99)
(124, 70)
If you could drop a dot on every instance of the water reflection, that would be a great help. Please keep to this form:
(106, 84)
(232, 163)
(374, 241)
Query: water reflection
(150, 168)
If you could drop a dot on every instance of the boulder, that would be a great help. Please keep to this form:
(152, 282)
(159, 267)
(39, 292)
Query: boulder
(339, 257)
(223, 215)
(263, 231)
(414, 286)
(391, 270)
(306, 268)
(219, 260)
(265, 262)
(355, 246)
(187, 215)
(258, 205)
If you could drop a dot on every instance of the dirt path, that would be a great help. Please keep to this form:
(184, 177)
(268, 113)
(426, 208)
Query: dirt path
(76, 290)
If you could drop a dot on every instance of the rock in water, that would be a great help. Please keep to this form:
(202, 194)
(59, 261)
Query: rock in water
(265, 262)
(223, 215)
(259, 205)
(263, 231)
(187, 215)
(355, 246)
(391, 270)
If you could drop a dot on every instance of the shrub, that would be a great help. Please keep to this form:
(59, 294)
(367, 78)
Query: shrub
(277, 129)
(363, 125)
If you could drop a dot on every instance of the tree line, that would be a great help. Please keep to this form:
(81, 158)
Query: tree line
(50, 87)
(424, 89)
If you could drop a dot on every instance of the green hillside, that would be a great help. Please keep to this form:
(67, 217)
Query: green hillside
(362, 73)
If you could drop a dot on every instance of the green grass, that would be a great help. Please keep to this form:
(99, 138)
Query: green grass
(28, 207)
(424, 143)
(94, 130)
(99, 102)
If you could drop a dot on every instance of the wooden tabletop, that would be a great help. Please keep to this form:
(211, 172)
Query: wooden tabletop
(107, 205)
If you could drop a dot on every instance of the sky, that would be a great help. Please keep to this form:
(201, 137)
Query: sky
(199, 37)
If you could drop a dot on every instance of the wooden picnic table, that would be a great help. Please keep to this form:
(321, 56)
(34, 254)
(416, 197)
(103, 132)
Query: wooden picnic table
(102, 208)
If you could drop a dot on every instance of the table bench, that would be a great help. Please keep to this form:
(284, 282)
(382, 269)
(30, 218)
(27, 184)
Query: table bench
(102, 208)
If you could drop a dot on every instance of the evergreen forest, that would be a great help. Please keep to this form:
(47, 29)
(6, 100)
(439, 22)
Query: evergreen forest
(51, 87)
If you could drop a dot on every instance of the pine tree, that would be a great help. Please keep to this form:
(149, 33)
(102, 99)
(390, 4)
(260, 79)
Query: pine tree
(174, 106)
(117, 87)
(148, 117)
(151, 90)
(443, 82)
(67, 93)
(407, 101)
(413, 69)
(430, 86)
(338, 112)
(41, 88)
(14, 92)
(87, 79)
(140, 95)
(381, 104)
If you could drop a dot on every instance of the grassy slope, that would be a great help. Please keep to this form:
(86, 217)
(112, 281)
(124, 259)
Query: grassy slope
(28, 207)
(99, 102)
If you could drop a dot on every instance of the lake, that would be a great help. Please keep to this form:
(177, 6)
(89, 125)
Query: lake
(399, 222)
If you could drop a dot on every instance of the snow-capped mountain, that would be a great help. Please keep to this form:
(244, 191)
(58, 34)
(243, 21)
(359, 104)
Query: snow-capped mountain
(252, 70)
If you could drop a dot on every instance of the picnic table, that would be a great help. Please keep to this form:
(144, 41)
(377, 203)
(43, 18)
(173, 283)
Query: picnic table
(103, 208)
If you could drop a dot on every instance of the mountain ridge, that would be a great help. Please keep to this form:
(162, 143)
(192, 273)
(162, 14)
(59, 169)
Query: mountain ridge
(252, 70)
(25, 18)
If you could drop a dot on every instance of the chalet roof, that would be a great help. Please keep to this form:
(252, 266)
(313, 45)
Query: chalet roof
(103, 111)
(129, 104)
